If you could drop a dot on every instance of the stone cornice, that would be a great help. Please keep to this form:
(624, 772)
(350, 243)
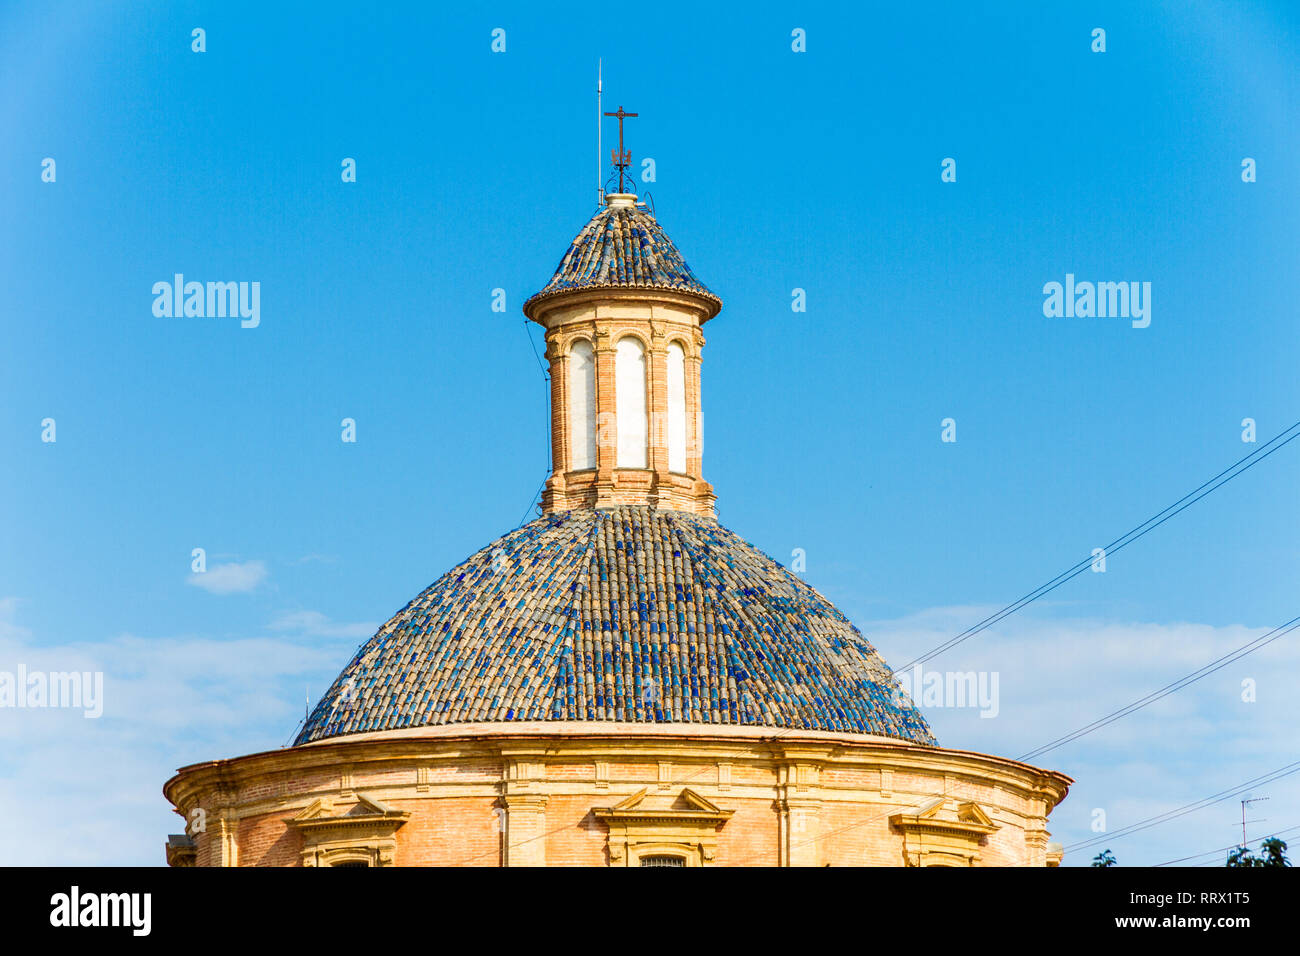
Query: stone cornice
(539, 306)
(589, 739)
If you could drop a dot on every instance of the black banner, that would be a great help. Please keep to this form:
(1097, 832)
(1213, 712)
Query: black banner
(249, 907)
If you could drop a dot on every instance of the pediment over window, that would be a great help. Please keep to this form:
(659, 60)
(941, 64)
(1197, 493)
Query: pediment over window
(658, 827)
(361, 806)
(361, 831)
(687, 805)
(938, 833)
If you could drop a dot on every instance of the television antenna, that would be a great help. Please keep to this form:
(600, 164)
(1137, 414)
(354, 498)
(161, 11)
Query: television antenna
(1244, 821)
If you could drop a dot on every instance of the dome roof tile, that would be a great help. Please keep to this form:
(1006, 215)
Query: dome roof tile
(623, 246)
(630, 614)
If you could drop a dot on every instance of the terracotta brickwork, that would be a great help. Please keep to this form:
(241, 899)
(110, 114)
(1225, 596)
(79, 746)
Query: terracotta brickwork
(594, 795)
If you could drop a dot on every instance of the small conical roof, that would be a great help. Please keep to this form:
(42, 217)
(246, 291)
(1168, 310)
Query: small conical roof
(623, 247)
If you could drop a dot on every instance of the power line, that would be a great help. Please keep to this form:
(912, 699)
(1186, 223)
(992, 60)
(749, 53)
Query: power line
(546, 389)
(1168, 689)
(1182, 504)
(1225, 849)
(1269, 777)
(546, 408)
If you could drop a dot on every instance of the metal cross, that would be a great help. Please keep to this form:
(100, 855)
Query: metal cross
(621, 158)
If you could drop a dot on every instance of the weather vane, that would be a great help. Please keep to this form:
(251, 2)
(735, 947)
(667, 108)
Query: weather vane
(621, 158)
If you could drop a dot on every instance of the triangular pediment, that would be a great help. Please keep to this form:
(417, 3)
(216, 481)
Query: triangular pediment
(937, 815)
(632, 802)
(324, 809)
(688, 799)
(971, 812)
(368, 805)
(929, 810)
(316, 810)
(645, 806)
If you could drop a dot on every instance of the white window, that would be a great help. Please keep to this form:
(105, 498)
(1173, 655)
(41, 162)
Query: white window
(629, 395)
(676, 408)
(582, 406)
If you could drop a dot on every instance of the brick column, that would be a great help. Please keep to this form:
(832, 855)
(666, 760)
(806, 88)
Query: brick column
(606, 419)
(559, 408)
(525, 826)
(694, 420)
(553, 494)
(1036, 835)
(225, 845)
(799, 802)
(657, 406)
(801, 846)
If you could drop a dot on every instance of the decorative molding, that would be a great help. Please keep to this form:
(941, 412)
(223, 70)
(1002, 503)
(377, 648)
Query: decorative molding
(641, 826)
(469, 772)
(521, 774)
(934, 835)
(366, 833)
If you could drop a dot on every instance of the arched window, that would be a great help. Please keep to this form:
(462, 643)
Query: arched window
(676, 408)
(629, 395)
(582, 406)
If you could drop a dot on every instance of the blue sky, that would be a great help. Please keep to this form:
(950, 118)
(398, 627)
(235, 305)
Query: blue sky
(775, 170)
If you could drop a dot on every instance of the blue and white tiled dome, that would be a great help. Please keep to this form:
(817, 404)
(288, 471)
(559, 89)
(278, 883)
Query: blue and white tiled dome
(623, 246)
(630, 614)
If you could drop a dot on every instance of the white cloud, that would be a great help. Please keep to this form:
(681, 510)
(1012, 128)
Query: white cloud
(167, 702)
(235, 578)
(1059, 672)
(316, 623)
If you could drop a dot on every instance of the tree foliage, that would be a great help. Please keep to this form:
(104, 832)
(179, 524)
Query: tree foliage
(1272, 852)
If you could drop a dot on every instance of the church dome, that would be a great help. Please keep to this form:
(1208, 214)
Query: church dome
(623, 247)
(630, 614)
(622, 681)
